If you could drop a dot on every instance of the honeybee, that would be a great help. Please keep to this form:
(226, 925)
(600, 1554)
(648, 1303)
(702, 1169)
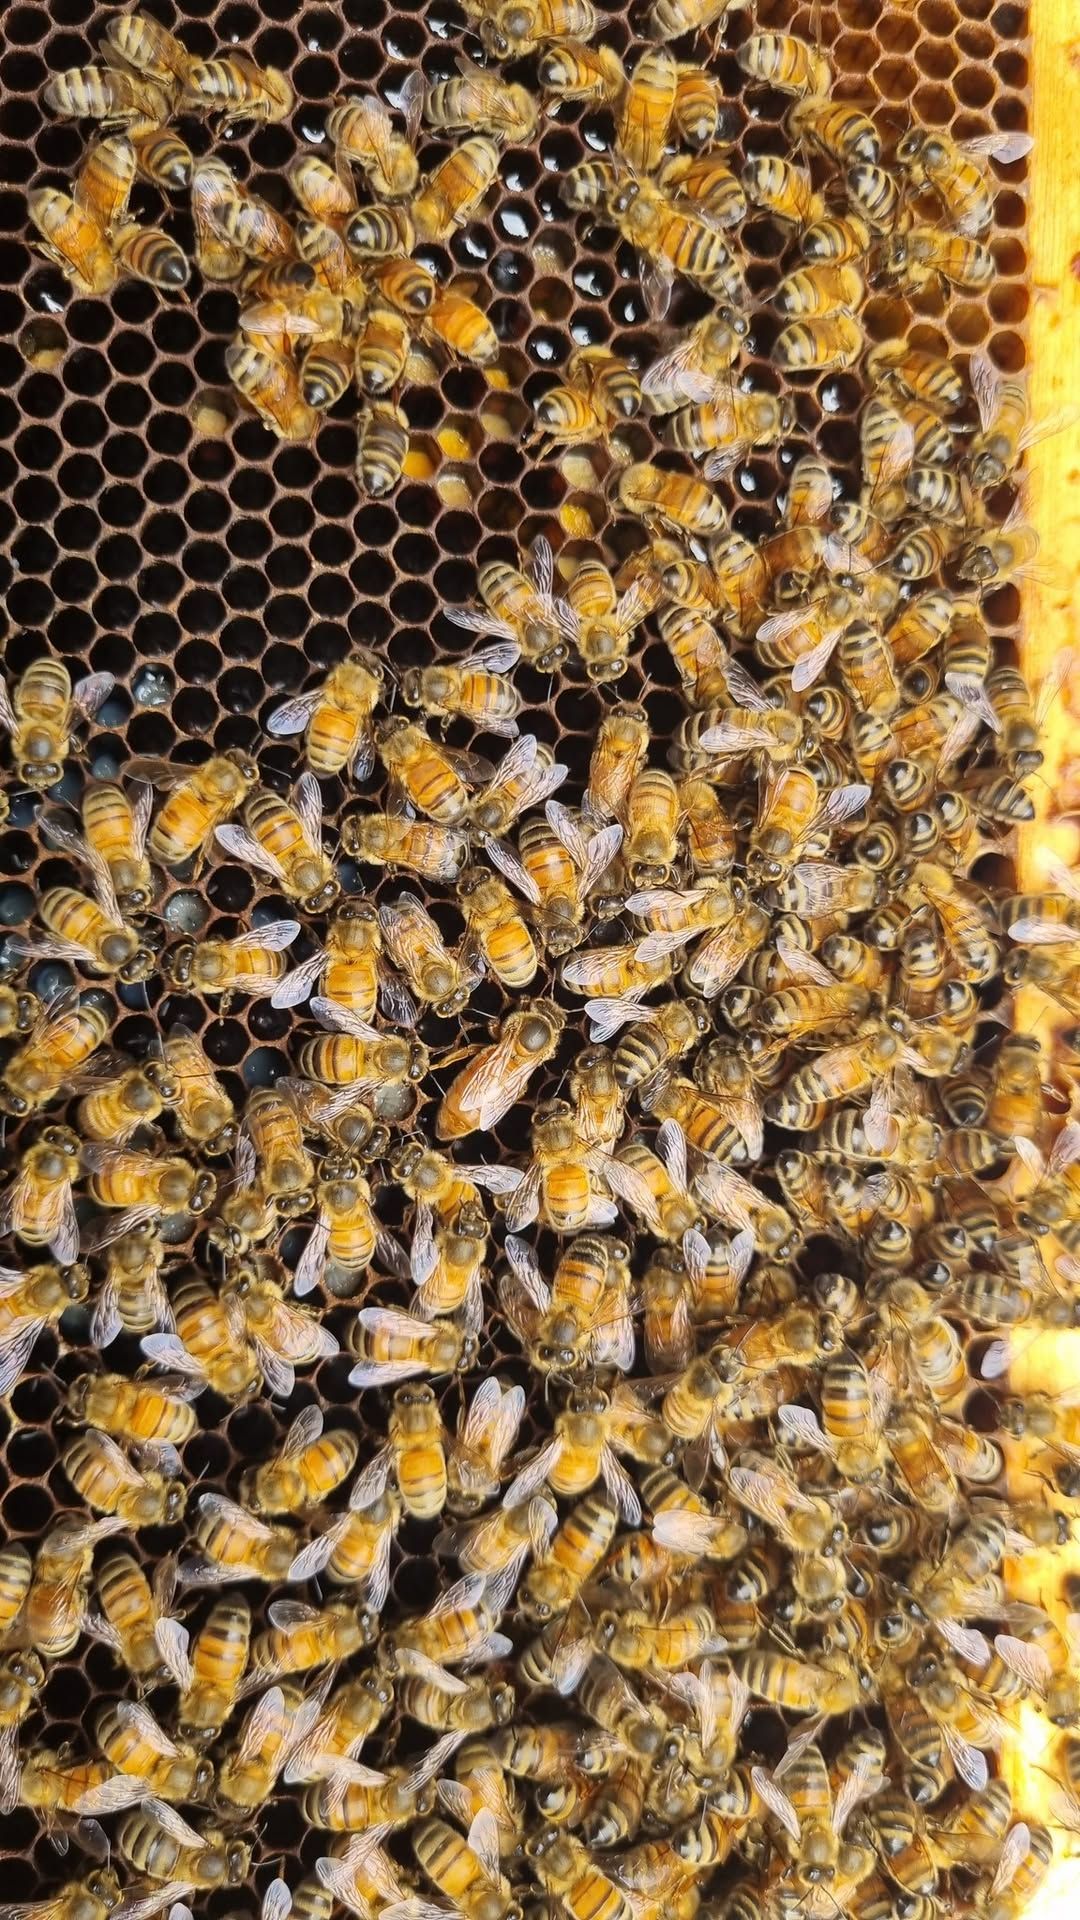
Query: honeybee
(581, 1319)
(453, 192)
(203, 1110)
(723, 427)
(437, 977)
(56, 1605)
(345, 1231)
(236, 89)
(479, 98)
(381, 448)
(236, 1544)
(494, 927)
(95, 1897)
(201, 798)
(589, 1435)
(950, 169)
(558, 867)
(674, 499)
(41, 711)
(816, 345)
(271, 1733)
(208, 1343)
(87, 236)
(573, 71)
(603, 620)
(135, 1622)
(363, 134)
(617, 757)
(31, 1300)
(563, 1865)
(487, 1429)
(285, 842)
(599, 391)
(512, 28)
(521, 608)
(21, 1678)
(674, 239)
(160, 1843)
(799, 1687)
(147, 1761)
(337, 717)
(112, 94)
(416, 846)
(467, 1871)
(698, 368)
(251, 963)
(784, 190)
(784, 61)
(138, 1410)
(395, 1346)
(477, 690)
(356, 1055)
(925, 255)
(107, 1480)
(272, 385)
(39, 1208)
(115, 826)
(496, 1077)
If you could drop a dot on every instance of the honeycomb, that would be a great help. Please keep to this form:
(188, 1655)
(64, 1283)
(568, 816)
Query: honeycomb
(216, 573)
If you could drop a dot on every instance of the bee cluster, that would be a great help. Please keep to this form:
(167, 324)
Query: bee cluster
(613, 1520)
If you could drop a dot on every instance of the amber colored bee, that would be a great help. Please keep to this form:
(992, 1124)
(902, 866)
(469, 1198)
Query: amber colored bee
(477, 689)
(673, 499)
(617, 757)
(132, 1410)
(604, 620)
(573, 71)
(512, 28)
(236, 89)
(453, 192)
(479, 99)
(817, 345)
(599, 391)
(521, 607)
(950, 169)
(90, 929)
(925, 255)
(272, 384)
(723, 428)
(41, 711)
(363, 135)
(784, 190)
(784, 61)
(674, 239)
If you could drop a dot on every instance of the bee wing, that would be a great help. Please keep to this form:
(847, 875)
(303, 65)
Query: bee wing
(620, 1486)
(494, 659)
(300, 981)
(842, 802)
(633, 1188)
(986, 385)
(305, 1430)
(518, 760)
(276, 1901)
(309, 805)
(172, 1641)
(475, 621)
(1042, 933)
(810, 665)
(803, 965)
(508, 864)
(16, 1347)
(606, 1016)
(973, 696)
(311, 1264)
(758, 1492)
(1030, 1663)
(293, 715)
(152, 1903)
(970, 1764)
(800, 1427)
(657, 284)
(492, 1422)
(243, 846)
(342, 1019)
(235, 1516)
(274, 937)
(1006, 148)
(140, 1720)
(59, 833)
(483, 1839)
(532, 1477)
(494, 1179)
(10, 1770)
(91, 692)
(599, 853)
(777, 1801)
(49, 947)
(966, 1641)
(681, 371)
(173, 1823)
(524, 1204)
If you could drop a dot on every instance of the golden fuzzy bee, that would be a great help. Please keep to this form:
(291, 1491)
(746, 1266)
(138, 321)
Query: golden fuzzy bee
(521, 607)
(951, 170)
(452, 194)
(41, 711)
(90, 930)
(479, 99)
(476, 689)
(497, 1075)
(345, 1231)
(599, 391)
(284, 841)
(513, 28)
(115, 826)
(88, 235)
(363, 135)
(558, 867)
(235, 88)
(415, 944)
(250, 963)
(603, 620)
(357, 1055)
(272, 384)
(674, 239)
(141, 1496)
